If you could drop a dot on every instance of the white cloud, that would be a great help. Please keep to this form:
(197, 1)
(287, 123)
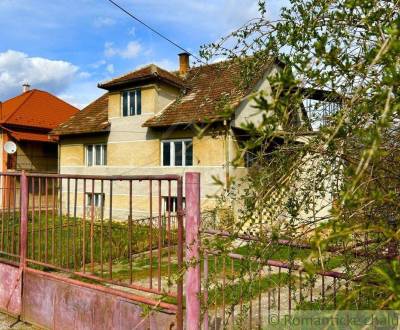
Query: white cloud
(84, 75)
(164, 63)
(132, 50)
(132, 31)
(98, 64)
(81, 94)
(100, 22)
(109, 50)
(110, 68)
(42, 73)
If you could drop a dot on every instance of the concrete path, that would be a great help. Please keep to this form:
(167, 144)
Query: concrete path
(7, 322)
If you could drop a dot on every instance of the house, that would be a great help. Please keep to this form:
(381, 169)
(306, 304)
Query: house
(147, 123)
(27, 120)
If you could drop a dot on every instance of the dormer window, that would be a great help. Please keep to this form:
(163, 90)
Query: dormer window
(131, 102)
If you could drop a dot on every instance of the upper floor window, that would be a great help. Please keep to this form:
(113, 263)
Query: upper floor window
(96, 155)
(177, 153)
(131, 102)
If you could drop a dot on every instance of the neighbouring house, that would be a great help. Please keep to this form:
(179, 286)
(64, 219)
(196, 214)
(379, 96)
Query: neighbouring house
(147, 122)
(27, 120)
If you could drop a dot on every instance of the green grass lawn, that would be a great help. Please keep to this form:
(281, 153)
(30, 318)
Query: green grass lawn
(102, 249)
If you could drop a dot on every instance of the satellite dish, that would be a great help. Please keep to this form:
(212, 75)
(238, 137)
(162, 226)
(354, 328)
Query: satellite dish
(10, 147)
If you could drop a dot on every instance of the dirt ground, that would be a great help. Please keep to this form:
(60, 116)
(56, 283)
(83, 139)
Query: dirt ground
(7, 322)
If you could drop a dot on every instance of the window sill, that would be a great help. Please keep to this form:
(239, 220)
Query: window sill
(96, 166)
(175, 166)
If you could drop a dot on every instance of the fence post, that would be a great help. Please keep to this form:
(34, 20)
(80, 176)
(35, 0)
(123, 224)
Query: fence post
(193, 275)
(179, 316)
(24, 219)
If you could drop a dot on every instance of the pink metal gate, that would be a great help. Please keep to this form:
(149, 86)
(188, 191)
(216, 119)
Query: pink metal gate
(91, 248)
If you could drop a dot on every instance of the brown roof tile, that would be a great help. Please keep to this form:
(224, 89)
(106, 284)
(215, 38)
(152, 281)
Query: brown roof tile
(92, 119)
(148, 73)
(207, 87)
(210, 87)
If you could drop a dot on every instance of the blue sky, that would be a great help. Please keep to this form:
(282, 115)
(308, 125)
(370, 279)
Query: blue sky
(67, 47)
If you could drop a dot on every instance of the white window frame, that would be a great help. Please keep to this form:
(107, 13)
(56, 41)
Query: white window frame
(172, 152)
(99, 199)
(129, 102)
(102, 153)
(174, 204)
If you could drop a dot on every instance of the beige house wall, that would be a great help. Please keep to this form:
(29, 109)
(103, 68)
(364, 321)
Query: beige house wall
(155, 98)
(247, 112)
(135, 153)
(142, 157)
(136, 150)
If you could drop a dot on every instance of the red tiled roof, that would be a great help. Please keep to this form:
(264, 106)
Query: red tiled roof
(37, 109)
(148, 73)
(92, 119)
(30, 136)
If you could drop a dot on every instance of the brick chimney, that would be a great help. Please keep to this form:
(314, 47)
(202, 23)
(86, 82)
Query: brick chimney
(183, 63)
(26, 87)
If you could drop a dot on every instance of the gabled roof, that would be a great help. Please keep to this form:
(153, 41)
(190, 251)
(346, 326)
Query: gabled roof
(204, 89)
(35, 109)
(209, 87)
(92, 119)
(147, 74)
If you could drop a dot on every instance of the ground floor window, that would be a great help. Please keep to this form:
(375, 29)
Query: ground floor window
(96, 154)
(95, 199)
(171, 203)
(177, 152)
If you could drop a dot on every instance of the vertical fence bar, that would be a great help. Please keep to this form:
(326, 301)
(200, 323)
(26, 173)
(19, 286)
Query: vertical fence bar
(193, 275)
(3, 207)
(130, 234)
(46, 252)
(206, 318)
(110, 250)
(24, 219)
(13, 238)
(159, 243)
(84, 228)
(8, 223)
(92, 230)
(102, 227)
(68, 219)
(76, 239)
(169, 232)
(33, 220)
(40, 219)
(53, 216)
(60, 214)
(151, 235)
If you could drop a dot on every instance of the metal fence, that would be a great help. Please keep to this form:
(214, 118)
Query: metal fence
(246, 289)
(236, 288)
(235, 296)
(124, 239)
(10, 218)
